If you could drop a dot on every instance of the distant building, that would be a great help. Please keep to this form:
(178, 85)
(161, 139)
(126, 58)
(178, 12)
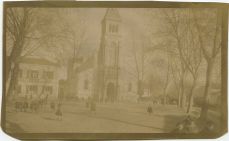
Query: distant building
(37, 78)
(108, 57)
(86, 78)
(100, 75)
(70, 85)
(62, 90)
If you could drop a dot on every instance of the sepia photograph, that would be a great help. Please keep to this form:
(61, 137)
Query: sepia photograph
(114, 70)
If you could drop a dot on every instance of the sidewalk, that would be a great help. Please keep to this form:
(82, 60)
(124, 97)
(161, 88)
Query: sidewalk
(109, 118)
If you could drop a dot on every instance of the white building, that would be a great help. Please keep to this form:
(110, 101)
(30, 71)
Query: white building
(37, 78)
(86, 77)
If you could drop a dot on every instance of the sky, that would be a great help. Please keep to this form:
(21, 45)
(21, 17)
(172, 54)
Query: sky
(137, 24)
(134, 23)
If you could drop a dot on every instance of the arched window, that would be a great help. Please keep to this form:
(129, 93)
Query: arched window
(111, 53)
(110, 28)
(113, 28)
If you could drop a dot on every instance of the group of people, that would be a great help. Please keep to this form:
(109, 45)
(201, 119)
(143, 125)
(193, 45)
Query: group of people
(25, 104)
(33, 105)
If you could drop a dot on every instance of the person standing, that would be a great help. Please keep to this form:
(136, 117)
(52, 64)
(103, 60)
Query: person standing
(88, 102)
(93, 106)
(59, 112)
(150, 109)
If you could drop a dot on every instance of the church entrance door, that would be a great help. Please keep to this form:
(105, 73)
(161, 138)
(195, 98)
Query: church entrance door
(110, 92)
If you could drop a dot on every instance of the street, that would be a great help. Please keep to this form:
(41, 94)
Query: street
(108, 118)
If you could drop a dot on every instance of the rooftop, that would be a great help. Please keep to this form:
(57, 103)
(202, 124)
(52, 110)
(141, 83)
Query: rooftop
(112, 14)
(38, 61)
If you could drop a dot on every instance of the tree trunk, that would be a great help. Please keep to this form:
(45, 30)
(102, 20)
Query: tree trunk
(191, 96)
(13, 80)
(165, 97)
(7, 69)
(182, 102)
(179, 100)
(140, 89)
(204, 108)
(12, 58)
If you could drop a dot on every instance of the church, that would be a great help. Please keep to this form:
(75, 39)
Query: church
(100, 76)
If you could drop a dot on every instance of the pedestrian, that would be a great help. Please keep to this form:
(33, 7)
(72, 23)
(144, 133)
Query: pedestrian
(88, 102)
(25, 106)
(52, 106)
(93, 106)
(59, 112)
(150, 109)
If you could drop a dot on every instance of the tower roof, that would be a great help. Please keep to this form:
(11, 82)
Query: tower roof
(112, 14)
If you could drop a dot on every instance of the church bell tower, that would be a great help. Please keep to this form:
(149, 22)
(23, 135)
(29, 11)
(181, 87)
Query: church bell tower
(108, 56)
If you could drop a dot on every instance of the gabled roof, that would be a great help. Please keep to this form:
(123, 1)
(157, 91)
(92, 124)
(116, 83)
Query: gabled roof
(112, 14)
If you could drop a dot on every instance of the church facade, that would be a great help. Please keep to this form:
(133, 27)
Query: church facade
(108, 57)
(103, 79)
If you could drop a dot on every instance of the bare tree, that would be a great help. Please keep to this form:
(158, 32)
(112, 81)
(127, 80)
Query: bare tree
(187, 45)
(167, 76)
(190, 53)
(68, 35)
(176, 76)
(68, 42)
(175, 31)
(18, 26)
(26, 32)
(208, 26)
(183, 28)
(141, 53)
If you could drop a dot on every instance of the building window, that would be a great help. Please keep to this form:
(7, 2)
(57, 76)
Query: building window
(32, 89)
(86, 83)
(113, 28)
(129, 87)
(48, 74)
(47, 89)
(32, 74)
(110, 28)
